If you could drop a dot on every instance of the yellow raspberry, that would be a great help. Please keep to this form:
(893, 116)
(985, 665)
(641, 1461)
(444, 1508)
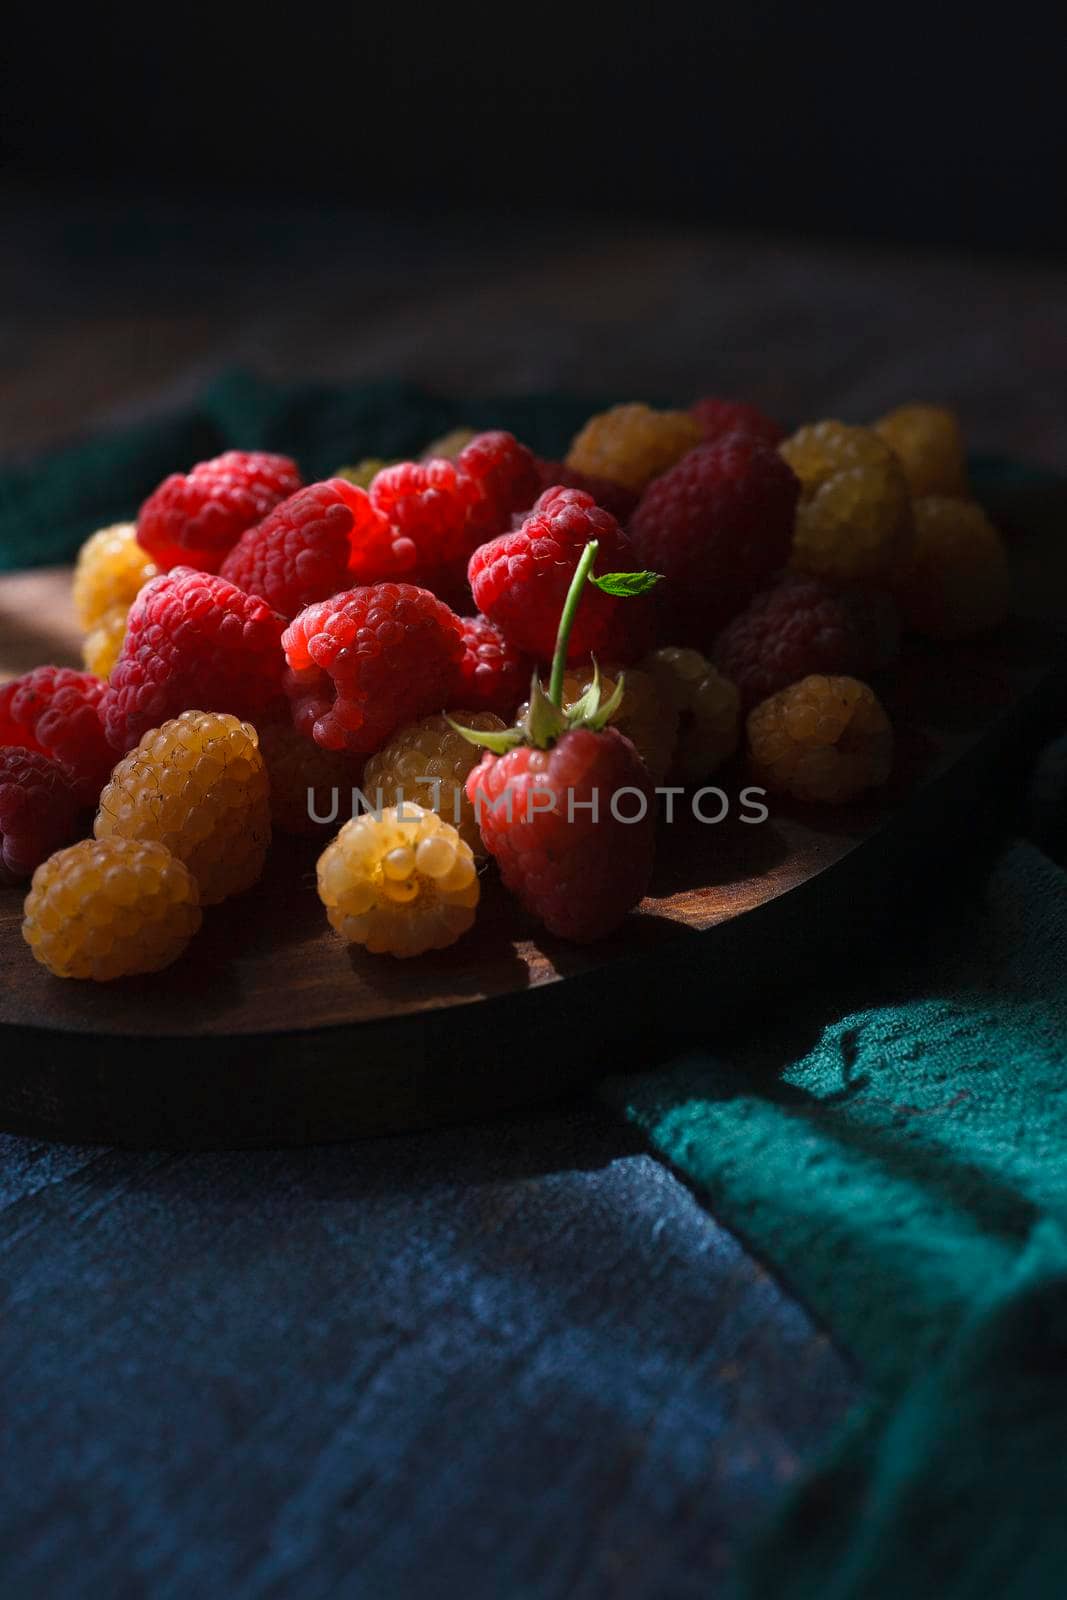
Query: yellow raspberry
(108, 908)
(824, 739)
(928, 443)
(399, 887)
(110, 569)
(199, 786)
(295, 765)
(632, 444)
(449, 445)
(364, 472)
(645, 715)
(956, 583)
(431, 750)
(854, 518)
(707, 706)
(101, 647)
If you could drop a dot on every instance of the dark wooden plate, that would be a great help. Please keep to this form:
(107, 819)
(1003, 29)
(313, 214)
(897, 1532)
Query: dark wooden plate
(270, 1031)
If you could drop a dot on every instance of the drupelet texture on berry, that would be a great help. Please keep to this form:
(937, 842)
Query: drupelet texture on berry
(803, 626)
(719, 524)
(109, 908)
(369, 660)
(508, 479)
(310, 788)
(39, 811)
(520, 579)
(438, 511)
(111, 567)
(632, 444)
(427, 762)
(717, 418)
(198, 785)
(428, 505)
(193, 642)
(824, 739)
(400, 883)
(854, 522)
(195, 517)
(303, 550)
(494, 676)
(102, 646)
(57, 710)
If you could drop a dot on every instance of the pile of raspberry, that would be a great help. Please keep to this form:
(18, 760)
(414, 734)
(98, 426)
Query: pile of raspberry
(257, 646)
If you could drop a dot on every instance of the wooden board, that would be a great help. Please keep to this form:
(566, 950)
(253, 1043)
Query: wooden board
(270, 1031)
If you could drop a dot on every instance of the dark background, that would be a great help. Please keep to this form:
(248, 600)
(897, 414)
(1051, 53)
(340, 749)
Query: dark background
(825, 210)
(925, 125)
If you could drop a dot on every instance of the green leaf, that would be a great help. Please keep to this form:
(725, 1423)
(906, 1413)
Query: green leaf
(544, 720)
(587, 705)
(499, 743)
(604, 715)
(624, 585)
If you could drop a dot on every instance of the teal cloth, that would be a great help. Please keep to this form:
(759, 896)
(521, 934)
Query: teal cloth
(50, 505)
(904, 1168)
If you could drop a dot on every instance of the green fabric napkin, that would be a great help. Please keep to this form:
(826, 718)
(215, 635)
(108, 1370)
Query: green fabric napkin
(49, 506)
(905, 1170)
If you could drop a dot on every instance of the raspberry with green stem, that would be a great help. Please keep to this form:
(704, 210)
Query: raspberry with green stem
(547, 718)
(578, 864)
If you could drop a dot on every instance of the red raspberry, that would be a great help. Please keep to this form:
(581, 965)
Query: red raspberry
(194, 518)
(428, 504)
(438, 511)
(304, 549)
(613, 497)
(717, 418)
(804, 626)
(57, 711)
(520, 580)
(578, 871)
(494, 676)
(193, 642)
(368, 660)
(718, 525)
(39, 811)
(507, 475)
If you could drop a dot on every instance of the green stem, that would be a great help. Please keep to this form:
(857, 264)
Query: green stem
(566, 621)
